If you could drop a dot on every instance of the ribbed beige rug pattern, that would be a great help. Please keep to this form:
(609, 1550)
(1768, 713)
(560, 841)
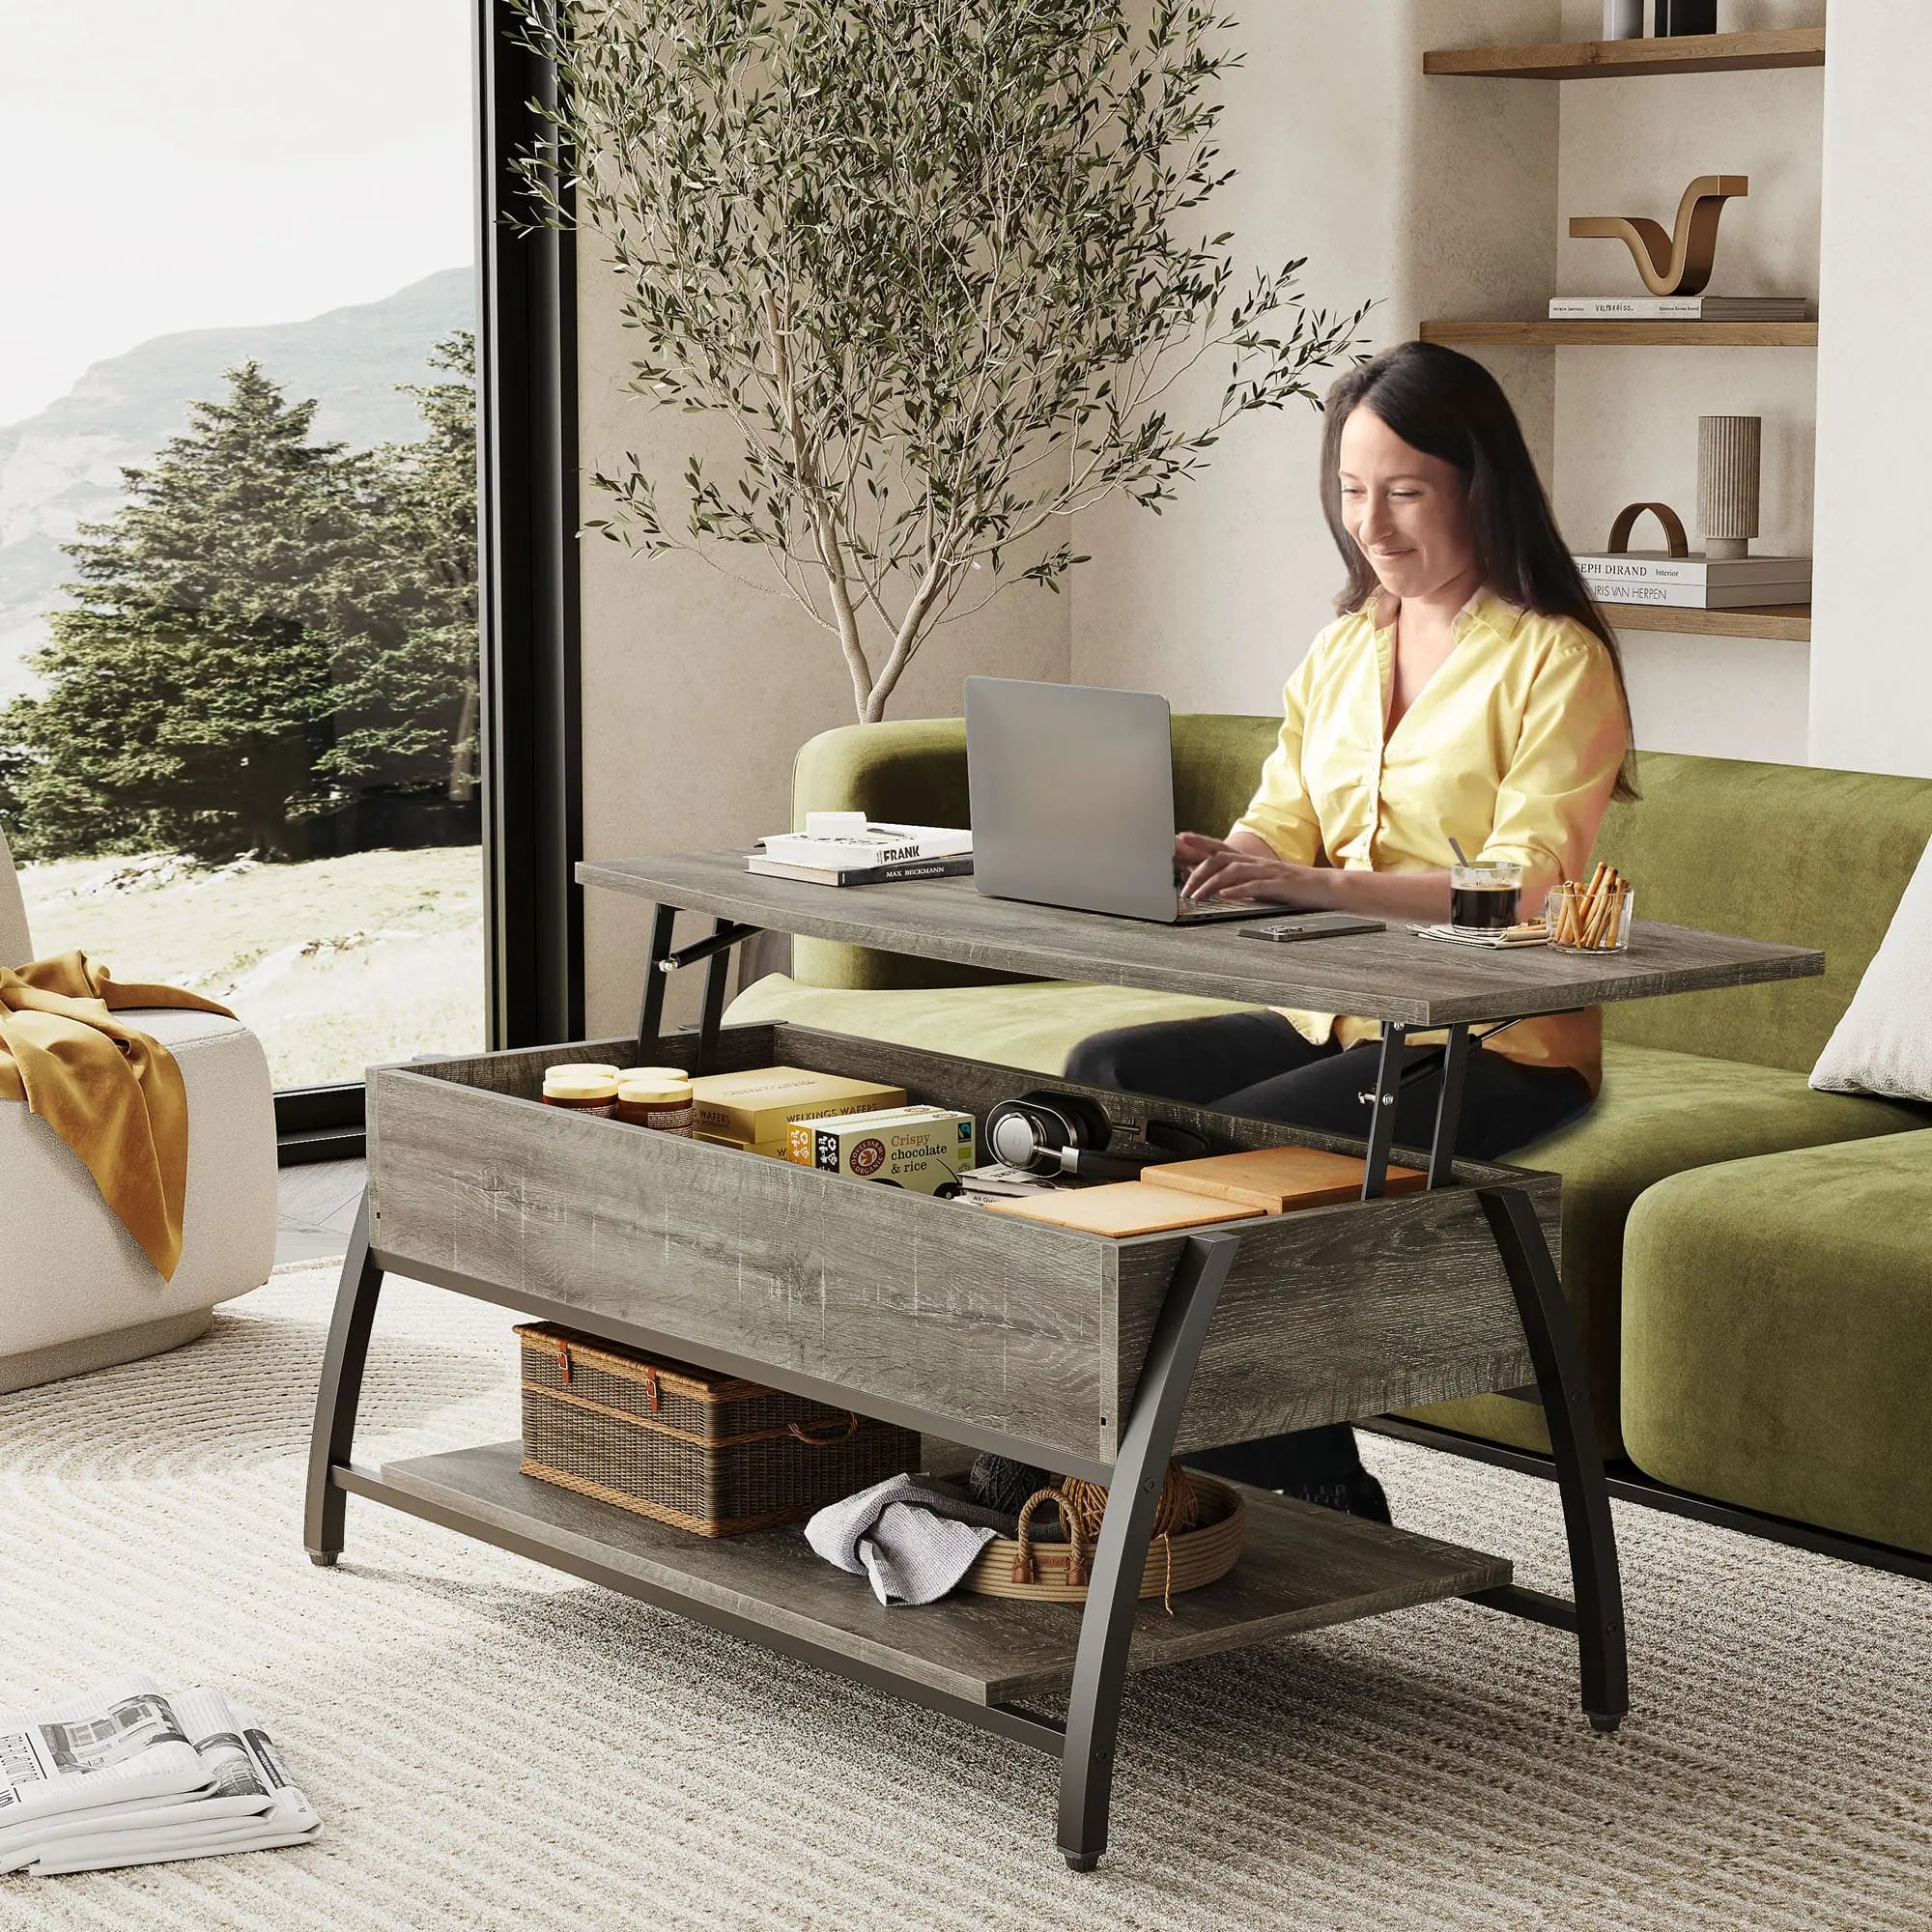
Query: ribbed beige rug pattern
(493, 1746)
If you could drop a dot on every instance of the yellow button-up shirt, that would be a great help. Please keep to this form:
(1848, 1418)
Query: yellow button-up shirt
(1512, 748)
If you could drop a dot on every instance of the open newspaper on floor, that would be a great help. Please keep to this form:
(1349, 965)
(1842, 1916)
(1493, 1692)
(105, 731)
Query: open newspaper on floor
(129, 1775)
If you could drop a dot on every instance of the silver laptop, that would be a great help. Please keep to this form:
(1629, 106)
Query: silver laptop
(1073, 793)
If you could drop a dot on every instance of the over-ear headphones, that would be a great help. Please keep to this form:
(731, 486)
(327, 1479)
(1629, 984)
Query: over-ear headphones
(1066, 1133)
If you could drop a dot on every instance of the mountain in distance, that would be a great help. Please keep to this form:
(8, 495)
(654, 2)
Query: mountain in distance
(63, 468)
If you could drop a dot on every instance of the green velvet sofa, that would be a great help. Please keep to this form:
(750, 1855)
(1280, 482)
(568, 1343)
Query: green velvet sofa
(1745, 1257)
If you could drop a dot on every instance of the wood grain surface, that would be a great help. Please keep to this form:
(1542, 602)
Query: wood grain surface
(1336, 1313)
(953, 1318)
(958, 1315)
(1788, 623)
(1122, 1208)
(1390, 975)
(1553, 334)
(1607, 60)
(1282, 1180)
(1302, 1568)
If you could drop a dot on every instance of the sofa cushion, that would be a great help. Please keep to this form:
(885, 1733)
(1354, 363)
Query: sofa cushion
(1784, 852)
(70, 1269)
(1659, 1113)
(1883, 1043)
(1778, 1336)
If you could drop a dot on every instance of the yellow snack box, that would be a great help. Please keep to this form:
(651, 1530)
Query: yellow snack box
(757, 1105)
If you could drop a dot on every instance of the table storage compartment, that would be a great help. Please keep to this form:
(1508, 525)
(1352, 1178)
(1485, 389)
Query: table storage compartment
(902, 1305)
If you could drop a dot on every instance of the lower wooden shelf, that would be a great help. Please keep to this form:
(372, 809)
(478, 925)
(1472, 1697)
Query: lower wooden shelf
(1785, 622)
(1302, 1568)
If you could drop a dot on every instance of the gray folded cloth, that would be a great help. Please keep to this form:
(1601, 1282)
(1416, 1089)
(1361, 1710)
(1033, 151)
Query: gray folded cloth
(913, 1541)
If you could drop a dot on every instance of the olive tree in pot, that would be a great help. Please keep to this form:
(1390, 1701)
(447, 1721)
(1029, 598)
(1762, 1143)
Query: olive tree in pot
(940, 263)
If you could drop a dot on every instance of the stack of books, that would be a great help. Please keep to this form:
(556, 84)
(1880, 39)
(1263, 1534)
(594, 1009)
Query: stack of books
(1695, 583)
(861, 853)
(1679, 308)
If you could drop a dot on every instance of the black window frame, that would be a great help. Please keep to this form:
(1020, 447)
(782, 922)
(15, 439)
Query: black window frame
(526, 599)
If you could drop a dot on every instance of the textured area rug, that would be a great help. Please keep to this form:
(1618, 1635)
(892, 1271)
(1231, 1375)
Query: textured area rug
(491, 1746)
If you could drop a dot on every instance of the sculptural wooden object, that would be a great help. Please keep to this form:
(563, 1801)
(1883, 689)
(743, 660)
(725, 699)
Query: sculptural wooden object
(1678, 263)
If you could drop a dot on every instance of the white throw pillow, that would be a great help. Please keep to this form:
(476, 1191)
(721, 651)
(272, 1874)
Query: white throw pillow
(1883, 1043)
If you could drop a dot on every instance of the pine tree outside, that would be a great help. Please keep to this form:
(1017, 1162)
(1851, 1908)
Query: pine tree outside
(250, 766)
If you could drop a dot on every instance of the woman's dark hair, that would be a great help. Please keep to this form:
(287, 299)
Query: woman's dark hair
(1449, 406)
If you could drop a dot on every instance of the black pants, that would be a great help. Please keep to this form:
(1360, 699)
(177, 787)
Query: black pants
(1257, 1065)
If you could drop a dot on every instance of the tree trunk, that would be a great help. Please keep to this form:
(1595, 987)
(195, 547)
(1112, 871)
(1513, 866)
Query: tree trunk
(462, 759)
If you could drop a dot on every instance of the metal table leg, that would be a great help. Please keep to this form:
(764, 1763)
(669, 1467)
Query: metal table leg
(1381, 1118)
(340, 1392)
(1113, 1595)
(717, 975)
(1599, 1607)
(1449, 1108)
(725, 934)
(650, 1013)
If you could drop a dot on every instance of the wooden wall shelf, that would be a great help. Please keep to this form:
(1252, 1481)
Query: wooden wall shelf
(1609, 60)
(1787, 623)
(1628, 334)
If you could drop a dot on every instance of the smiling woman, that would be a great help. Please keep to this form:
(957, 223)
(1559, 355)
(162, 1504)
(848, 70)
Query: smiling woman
(1468, 695)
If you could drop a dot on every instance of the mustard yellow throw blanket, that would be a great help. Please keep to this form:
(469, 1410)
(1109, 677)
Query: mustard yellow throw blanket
(113, 1093)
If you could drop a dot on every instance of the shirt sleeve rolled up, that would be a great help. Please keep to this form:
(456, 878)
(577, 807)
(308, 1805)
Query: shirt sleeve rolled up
(1567, 758)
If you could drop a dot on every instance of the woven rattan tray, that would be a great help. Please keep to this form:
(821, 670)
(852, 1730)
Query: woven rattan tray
(1182, 1562)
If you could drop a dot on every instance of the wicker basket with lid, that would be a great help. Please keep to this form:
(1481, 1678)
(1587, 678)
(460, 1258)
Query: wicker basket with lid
(706, 1452)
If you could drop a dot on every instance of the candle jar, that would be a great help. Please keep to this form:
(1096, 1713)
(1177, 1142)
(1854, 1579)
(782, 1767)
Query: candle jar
(582, 1089)
(1583, 921)
(662, 1103)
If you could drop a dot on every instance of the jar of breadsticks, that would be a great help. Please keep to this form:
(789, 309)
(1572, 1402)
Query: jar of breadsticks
(1593, 914)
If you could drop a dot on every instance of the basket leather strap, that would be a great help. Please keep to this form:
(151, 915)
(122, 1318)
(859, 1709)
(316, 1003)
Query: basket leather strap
(847, 1430)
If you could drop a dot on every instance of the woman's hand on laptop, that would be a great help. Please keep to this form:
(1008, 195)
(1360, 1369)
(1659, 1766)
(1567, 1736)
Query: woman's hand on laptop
(1218, 869)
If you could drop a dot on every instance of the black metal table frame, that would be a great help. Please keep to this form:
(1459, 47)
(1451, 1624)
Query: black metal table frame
(1084, 1743)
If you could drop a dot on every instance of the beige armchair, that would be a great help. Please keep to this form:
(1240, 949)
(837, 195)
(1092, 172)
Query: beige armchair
(76, 1293)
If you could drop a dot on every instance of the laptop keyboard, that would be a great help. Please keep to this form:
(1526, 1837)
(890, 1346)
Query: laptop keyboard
(1202, 908)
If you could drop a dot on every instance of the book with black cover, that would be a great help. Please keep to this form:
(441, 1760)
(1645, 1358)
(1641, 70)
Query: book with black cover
(863, 875)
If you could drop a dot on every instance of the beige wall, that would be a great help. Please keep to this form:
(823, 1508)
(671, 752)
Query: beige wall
(1436, 197)
(1871, 671)
(697, 690)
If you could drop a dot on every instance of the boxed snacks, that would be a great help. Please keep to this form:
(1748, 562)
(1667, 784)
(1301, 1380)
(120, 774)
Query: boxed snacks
(923, 1149)
(755, 1108)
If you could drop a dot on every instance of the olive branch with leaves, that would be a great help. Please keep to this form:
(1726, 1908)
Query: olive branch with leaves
(936, 261)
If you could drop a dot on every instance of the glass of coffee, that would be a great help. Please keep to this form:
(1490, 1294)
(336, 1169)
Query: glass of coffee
(1483, 898)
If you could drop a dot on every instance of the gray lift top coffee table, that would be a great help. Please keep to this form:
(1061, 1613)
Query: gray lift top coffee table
(1091, 1356)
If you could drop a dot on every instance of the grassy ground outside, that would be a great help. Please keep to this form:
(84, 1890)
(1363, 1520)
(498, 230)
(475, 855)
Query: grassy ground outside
(336, 964)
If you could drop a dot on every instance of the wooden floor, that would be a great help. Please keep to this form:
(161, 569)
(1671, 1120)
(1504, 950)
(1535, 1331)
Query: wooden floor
(316, 1209)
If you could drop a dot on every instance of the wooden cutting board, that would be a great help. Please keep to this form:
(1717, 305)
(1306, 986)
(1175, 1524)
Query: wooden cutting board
(1124, 1207)
(1276, 1180)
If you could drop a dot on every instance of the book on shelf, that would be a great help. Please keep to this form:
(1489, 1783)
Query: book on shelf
(1700, 596)
(1695, 583)
(860, 844)
(1679, 308)
(863, 875)
(1697, 571)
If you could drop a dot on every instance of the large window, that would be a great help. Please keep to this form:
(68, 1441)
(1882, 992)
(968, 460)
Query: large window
(239, 691)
